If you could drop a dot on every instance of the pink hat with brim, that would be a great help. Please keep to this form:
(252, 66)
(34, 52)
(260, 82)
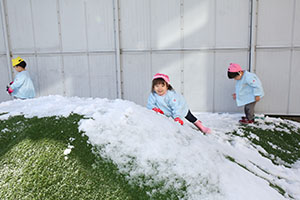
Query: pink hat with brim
(163, 76)
(233, 67)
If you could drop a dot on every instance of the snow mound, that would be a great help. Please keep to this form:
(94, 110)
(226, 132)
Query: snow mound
(151, 148)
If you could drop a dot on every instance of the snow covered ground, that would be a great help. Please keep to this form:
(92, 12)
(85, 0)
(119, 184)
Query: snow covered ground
(143, 143)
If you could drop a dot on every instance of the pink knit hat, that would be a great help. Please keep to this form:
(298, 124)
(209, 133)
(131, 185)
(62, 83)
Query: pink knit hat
(163, 76)
(233, 67)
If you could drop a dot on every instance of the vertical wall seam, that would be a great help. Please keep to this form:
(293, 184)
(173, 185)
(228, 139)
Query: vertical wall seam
(250, 28)
(214, 59)
(6, 38)
(182, 46)
(291, 58)
(116, 8)
(253, 34)
(34, 47)
(87, 48)
(61, 47)
(150, 39)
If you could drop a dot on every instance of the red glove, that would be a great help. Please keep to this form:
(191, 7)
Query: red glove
(177, 119)
(9, 90)
(11, 83)
(158, 110)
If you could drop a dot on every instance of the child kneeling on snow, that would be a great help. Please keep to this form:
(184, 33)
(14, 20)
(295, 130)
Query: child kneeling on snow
(248, 90)
(163, 99)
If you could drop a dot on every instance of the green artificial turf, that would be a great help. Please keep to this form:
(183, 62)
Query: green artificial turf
(33, 164)
(282, 143)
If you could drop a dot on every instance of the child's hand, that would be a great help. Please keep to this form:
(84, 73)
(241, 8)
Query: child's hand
(234, 96)
(158, 110)
(177, 119)
(257, 98)
(9, 90)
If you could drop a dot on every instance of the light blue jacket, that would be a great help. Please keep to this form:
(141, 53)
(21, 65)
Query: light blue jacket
(172, 104)
(247, 88)
(23, 86)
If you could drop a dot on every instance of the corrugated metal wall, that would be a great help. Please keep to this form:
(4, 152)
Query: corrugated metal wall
(69, 45)
(192, 41)
(112, 48)
(278, 55)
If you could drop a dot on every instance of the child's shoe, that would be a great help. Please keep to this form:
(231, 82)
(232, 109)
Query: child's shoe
(246, 121)
(202, 128)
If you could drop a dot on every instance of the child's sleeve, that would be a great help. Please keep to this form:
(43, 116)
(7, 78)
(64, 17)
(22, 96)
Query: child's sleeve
(175, 103)
(18, 82)
(255, 83)
(151, 102)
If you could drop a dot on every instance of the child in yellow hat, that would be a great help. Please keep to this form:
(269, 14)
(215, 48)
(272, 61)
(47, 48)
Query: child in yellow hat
(22, 86)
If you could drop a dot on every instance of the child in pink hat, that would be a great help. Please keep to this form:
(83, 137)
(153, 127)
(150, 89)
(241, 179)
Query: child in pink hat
(163, 99)
(248, 90)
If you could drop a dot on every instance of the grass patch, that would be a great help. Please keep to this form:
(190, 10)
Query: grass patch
(33, 164)
(276, 187)
(281, 143)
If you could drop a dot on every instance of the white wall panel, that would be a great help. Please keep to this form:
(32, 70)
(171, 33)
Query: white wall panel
(273, 69)
(2, 41)
(73, 25)
(294, 98)
(135, 24)
(275, 21)
(103, 76)
(297, 24)
(45, 24)
(88, 27)
(198, 80)
(223, 86)
(136, 77)
(20, 26)
(232, 23)
(100, 24)
(51, 78)
(167, 63)
(199, 23)
(165, 24)
(4, 80)
(77, 75)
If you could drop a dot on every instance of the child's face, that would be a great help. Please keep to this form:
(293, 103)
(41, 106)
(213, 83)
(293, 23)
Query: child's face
(161, 89)
(18, 68)
(239, 76)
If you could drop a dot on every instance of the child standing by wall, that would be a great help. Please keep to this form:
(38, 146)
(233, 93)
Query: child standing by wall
(248, 90)
(163, 99)
(22, 86)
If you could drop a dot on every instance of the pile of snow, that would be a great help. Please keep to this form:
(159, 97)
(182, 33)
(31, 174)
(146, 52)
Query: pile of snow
(143, 143)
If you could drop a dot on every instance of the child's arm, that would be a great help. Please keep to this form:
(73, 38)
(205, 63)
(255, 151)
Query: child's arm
(18, 82)
(177, 105)
(255, 83)
(151, 102)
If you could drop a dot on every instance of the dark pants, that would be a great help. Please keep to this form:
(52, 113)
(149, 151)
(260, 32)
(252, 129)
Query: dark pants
(18, 98)
(190, 117)
(249, 110)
